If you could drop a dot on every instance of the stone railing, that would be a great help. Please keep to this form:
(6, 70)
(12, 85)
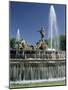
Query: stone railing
(40, 54)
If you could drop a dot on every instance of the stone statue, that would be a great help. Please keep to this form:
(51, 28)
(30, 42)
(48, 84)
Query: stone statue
(42, 33)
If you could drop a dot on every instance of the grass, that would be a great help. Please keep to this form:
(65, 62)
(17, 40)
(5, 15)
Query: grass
(43, 84)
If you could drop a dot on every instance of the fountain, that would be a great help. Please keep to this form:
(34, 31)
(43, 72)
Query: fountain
(18, 38)
(53, 34)
(35, 71)
(40, 65)
(18, 35)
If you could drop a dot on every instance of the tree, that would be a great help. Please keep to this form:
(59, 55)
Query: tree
(12, 42)
(63, 42)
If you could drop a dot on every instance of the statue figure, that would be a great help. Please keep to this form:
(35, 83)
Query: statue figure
(42, 33)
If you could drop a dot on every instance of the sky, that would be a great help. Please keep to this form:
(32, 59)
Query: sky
(29, 17)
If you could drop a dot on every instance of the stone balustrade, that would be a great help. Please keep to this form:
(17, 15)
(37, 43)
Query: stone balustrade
(38, 54)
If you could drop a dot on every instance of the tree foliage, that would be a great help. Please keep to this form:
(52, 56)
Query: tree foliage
(62, 42)
(12, 42)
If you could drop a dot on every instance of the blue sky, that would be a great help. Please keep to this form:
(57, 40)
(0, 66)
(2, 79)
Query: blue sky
(29, 17)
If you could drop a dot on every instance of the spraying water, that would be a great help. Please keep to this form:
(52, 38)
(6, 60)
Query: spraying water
(53, 29)
(18, 35)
